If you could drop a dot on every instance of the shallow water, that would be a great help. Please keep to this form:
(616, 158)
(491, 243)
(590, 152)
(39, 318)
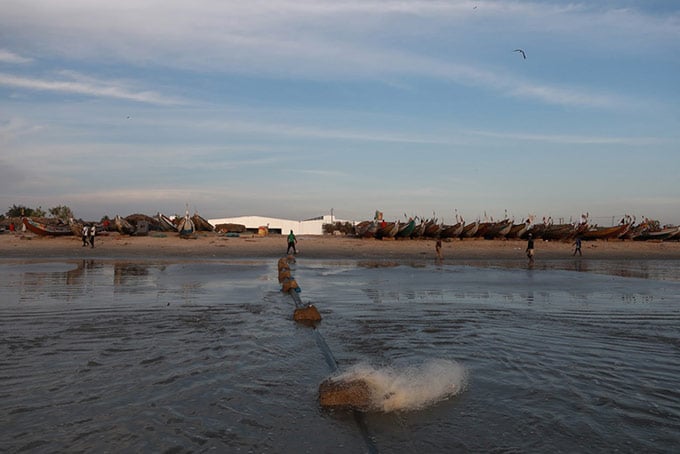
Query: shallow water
(194, 356)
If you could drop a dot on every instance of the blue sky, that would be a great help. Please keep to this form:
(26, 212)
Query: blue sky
(289, 108)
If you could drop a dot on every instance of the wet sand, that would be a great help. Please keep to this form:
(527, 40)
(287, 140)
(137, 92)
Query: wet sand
(214, 246)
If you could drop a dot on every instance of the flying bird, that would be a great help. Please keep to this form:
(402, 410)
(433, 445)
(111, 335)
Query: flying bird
(521, 52)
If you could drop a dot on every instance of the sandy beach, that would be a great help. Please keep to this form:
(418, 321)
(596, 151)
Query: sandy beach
(214, 246)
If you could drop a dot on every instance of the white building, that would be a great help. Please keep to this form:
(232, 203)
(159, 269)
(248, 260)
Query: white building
(312, 226)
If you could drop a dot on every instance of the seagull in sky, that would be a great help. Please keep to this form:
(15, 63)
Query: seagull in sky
(521, 52)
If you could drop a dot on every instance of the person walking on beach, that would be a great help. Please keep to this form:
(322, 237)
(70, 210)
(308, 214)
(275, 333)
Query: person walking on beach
(86, 230)
(93, 230)
(291, 243)
(577, 246)
(530, 249)
(438, 249)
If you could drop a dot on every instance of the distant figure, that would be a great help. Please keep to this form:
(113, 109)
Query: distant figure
(12, 229)
(577, 246)
(86, 231)
(530, 249)
(291, 243)
(93, 230)
(438, 249)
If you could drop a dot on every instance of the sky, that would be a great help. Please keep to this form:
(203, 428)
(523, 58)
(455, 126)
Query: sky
(294, 108)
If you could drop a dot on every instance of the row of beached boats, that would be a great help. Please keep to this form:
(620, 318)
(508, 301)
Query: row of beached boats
(507, 229)
(138, 225)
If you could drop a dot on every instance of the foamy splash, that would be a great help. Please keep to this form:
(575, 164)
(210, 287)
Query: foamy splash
(410, 387)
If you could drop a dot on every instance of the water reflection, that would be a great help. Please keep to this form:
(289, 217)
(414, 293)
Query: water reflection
(128, 273)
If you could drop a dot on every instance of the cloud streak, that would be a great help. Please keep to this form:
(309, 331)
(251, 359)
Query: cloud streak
(318, 39)
(10, 57)
(104, 89)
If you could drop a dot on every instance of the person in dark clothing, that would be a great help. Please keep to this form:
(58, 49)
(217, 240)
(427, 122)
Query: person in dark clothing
(530, 249)
(93, 230)
(291, 243)
(577, 246)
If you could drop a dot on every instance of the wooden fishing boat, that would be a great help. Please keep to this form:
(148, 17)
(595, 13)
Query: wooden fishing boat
(186, 227)
(123, 226)
(432, 229)
(76, 227)
(498, 229)
(406, 229)
(452, 231)
(536, 231)
(366, 229)
(165, 223)
(419, 230)
(41, 228)
(558, 232)
(387, 230)
(470, 230)
(518, 230)
(605, 233)
(667, 234)
(201, 224)
(482, 229)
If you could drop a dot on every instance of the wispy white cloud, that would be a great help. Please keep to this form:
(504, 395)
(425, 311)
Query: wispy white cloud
(324, 173)
(10, 57)
(572, 139)
(91, 87)
(313, 132)
(14, 127)
(329, 39)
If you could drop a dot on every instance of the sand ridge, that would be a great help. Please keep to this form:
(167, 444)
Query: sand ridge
(215, 246)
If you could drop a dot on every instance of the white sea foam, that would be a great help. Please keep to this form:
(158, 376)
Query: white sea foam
(412, 387)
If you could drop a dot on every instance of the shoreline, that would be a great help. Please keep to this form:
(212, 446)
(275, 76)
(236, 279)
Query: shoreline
(213, 246)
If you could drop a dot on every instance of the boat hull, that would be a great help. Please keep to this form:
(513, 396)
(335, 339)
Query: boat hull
(40, 228)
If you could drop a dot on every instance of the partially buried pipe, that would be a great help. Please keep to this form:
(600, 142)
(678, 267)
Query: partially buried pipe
(309, 315)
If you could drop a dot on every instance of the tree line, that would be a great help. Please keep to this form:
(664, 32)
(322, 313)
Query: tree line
(60, 212)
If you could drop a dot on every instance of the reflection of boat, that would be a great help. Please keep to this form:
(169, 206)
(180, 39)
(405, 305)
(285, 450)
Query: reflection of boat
(123, 272)
(40, 228)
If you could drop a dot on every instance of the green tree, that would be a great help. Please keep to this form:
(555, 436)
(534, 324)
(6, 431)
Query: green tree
(19, 210)
(61, 212)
